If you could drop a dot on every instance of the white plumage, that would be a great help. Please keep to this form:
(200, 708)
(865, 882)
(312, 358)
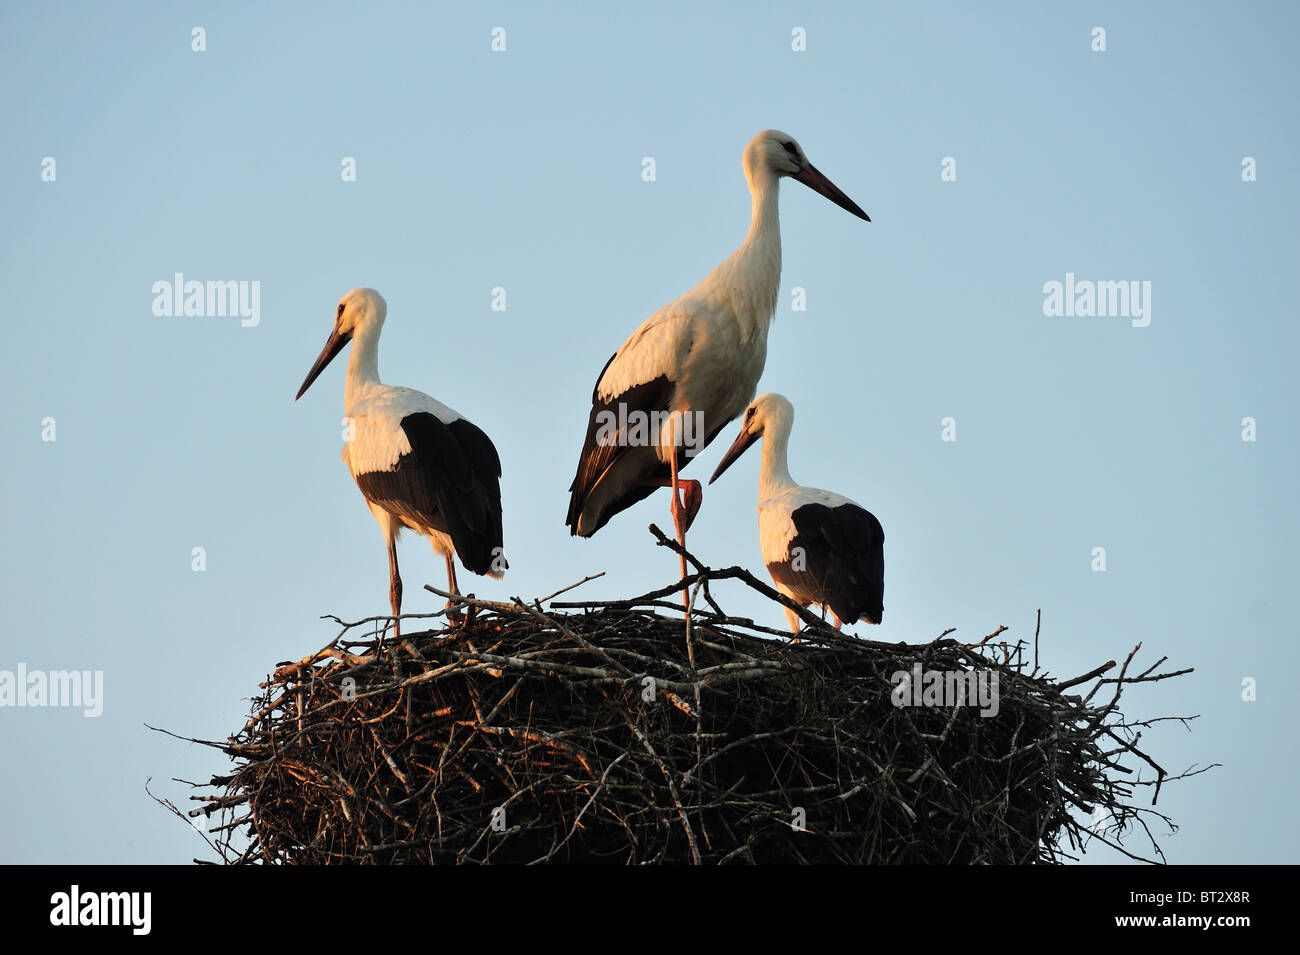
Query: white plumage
(419, 464)
(701, 355)
(775, 522)
(376, 411)
(820, 547)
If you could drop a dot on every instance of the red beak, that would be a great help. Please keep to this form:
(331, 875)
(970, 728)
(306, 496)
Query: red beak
(738, 447)
(333, 346)
(814, 180)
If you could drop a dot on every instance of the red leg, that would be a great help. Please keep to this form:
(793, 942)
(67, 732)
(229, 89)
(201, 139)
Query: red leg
(692, 497)
(681, 521)
(453, 609)
(685, 504)
(692, 494)
(394, 590)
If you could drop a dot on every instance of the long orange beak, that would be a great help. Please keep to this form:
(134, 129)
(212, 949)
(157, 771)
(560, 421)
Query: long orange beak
(811, 177)
(738, 447)
(333, 346)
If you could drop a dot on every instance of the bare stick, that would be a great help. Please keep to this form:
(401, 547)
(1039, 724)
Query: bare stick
(565, 590)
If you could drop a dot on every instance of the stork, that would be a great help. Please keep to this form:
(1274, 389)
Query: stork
(419, 464)
(819, 546)
(693, 365)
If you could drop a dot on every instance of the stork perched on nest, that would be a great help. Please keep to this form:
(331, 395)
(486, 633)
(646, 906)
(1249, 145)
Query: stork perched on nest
(693, 365)
(419, 464)
(819, 546)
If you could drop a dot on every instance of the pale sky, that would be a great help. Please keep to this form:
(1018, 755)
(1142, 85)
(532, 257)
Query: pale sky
(522, 170)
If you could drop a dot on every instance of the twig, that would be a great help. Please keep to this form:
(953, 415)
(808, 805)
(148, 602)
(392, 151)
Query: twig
(565, 590)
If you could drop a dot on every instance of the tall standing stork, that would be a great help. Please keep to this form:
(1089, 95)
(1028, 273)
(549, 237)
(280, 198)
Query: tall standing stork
(819, 546)
(693, 365)
(419, 464)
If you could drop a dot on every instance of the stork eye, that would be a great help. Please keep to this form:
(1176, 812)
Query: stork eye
(339, 313)
(789, 147)
(749, 414)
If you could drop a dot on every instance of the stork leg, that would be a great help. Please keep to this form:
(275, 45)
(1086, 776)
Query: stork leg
(684, 508)
(394, 588)
(795, 623)
(685, 504)
(453, 613)
(792, 618)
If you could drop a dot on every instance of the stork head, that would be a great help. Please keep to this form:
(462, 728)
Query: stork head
(775, 153)
(362, 308)
(767, 414)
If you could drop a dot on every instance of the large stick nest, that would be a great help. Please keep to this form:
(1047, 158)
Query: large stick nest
(616, 732)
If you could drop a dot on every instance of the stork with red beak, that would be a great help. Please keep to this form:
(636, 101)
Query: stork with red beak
(693, 365)
(419, 464)
(819, 546)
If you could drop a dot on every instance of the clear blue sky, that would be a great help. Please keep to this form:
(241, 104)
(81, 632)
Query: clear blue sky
(522, 169)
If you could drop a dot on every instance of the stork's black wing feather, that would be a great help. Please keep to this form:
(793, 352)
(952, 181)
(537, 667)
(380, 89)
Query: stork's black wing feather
(598, 456)
(844, 553)
(450, 481)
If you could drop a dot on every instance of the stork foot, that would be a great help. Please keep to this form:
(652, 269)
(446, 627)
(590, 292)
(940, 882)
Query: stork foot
(681, 520)
(692, 498)
(455, 616)
(685, 508)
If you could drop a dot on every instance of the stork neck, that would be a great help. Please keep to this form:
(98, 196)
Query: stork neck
(764, 223)
(751, 277)
(774, 473)
(363, 363)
